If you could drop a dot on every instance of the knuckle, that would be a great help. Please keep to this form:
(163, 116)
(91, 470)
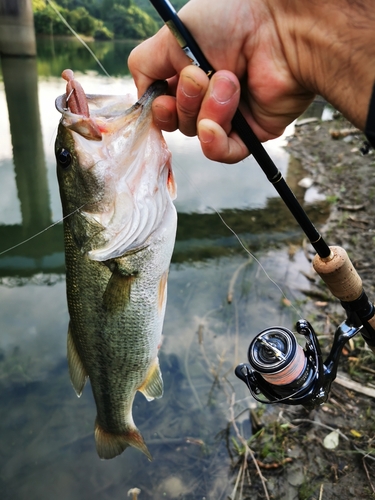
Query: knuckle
(187, 110)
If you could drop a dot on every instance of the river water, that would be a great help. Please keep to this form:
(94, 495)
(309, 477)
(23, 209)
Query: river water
(46, 433)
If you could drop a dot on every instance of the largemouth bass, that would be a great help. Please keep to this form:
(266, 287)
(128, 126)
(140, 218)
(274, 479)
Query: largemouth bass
(116, 187)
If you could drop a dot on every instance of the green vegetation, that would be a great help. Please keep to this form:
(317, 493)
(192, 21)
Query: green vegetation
(147, 7)
(101, 19)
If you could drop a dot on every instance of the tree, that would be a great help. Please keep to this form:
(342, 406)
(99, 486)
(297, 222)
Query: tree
(81, 21)
(108, 7)
(131, 22)
(98, 18)
(47, 21)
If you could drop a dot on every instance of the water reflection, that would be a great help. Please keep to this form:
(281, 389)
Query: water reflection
(55, 55)
(21, 89)
(47, 439)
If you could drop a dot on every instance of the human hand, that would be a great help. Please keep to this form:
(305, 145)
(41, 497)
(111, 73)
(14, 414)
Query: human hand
(279, 52)
(254, 55)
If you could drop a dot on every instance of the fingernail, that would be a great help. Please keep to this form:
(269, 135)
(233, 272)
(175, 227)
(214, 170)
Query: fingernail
(163, 115)
(205, 134)
(190, 87)
(223, 90)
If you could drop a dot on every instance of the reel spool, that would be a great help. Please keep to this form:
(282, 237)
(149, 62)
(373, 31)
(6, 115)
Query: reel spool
(279, 368)
(281, 371)
(276, 356)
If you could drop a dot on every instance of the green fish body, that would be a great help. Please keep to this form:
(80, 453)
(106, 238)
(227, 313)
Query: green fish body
(116, 186)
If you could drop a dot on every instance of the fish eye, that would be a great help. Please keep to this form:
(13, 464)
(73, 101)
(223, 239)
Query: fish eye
(63, 157)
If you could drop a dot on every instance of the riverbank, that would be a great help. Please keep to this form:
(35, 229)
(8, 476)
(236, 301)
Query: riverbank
(327, 453)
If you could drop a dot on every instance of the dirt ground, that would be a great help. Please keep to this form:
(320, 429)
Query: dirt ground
(290, 452)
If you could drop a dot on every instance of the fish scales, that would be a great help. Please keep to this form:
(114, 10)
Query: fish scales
(116, 283)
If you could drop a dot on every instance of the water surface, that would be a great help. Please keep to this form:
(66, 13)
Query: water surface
(47, 444)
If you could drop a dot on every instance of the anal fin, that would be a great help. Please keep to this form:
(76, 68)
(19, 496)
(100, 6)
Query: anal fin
(152, 386)
(78, 375)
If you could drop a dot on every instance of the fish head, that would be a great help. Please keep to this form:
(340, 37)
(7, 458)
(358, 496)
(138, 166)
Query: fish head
(114, 172)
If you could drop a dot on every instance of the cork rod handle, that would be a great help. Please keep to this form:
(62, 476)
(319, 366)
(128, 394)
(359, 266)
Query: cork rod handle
(338, 272)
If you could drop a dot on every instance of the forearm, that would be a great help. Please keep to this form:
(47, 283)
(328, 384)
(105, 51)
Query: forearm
(330, 48)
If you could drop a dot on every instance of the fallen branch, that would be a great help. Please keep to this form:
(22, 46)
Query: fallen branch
(248, 451)
(348, 383)
(321, 491)
(306, 420)
(343, 132)
(351, 208)
(367, 474)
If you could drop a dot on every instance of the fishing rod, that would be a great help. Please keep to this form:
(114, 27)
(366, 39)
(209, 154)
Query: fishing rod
(279, 369)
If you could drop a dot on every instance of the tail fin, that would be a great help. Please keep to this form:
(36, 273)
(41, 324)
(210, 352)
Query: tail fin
(110, 445)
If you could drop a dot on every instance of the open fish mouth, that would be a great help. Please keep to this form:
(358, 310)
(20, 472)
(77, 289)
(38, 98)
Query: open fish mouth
(84, 113)
(122, 158)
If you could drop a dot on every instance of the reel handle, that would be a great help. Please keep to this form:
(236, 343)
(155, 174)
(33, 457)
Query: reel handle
(340, 276)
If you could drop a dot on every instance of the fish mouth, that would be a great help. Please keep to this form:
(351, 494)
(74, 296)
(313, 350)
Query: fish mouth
(107, 106)
(86, 113)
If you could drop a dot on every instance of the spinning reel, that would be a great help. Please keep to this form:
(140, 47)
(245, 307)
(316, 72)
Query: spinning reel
(284, 372)
(281, 371)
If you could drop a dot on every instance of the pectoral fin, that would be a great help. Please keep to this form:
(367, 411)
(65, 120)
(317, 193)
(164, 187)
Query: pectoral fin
(78, 375)
(152, 387)
(117, 292)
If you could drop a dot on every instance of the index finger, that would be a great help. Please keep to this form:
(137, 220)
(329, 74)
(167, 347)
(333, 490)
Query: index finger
(157, 58)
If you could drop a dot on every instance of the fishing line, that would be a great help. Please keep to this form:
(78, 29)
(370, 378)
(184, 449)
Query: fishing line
(196, 188)
(257, 261)
(78, 37)
(42, 231)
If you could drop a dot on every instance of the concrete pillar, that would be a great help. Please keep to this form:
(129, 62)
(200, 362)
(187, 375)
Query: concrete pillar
(17, 34)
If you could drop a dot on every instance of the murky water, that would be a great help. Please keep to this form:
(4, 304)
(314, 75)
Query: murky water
(47, 445)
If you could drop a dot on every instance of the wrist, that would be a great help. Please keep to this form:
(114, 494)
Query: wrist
(331, 51)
